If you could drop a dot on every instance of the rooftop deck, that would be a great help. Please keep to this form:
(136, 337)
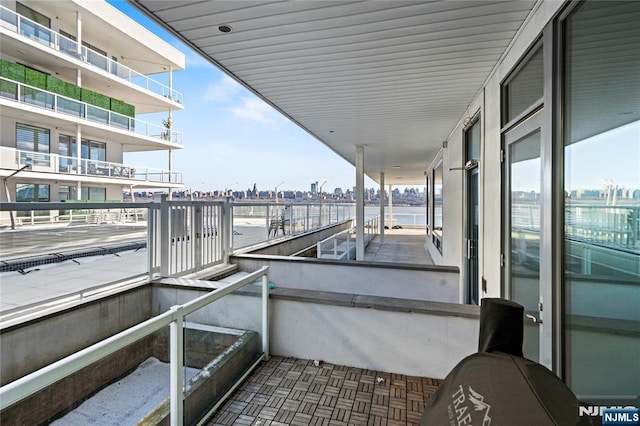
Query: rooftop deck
(287, 391)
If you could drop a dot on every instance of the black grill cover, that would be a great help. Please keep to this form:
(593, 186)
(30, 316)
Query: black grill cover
(497, 386)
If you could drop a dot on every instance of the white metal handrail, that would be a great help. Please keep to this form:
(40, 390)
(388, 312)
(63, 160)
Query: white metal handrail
(60, 43)
(29, 95)
(46, 376)
(64, 164)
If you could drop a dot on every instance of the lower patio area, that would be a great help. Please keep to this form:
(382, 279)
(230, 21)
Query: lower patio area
(289, 391)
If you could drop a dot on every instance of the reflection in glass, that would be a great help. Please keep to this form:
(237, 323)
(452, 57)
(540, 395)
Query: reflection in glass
(602, 199)
(524, 269)
(437, 207)
(526, 87)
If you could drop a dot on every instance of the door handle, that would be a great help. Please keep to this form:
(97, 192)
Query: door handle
(534, 319)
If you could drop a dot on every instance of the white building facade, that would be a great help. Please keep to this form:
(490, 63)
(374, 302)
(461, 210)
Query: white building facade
(77, 79)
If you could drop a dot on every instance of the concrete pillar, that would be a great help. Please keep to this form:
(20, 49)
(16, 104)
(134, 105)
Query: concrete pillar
(390, 206)
(381, 208)
(359, 202)
(79, 165)
(170, 168)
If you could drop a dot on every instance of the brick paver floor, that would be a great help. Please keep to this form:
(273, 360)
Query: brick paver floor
(288, 391)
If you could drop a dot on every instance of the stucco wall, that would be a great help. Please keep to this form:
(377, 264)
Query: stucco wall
(431, 283)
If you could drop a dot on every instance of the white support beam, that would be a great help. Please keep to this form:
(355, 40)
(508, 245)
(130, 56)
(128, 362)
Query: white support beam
(359, 202)
(390, 206)
(381, 208)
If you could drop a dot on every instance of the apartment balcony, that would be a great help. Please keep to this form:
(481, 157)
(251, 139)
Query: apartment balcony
(188, 241)
(45, 47)
(16, 98)
(59, 167)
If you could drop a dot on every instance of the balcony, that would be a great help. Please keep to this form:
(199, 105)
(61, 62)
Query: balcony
(184, 239)
(25, 95)
(74, 168)
(57, 42)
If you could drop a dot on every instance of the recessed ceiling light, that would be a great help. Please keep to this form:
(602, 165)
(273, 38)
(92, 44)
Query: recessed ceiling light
(225, 28)
(330, 131)
(396, 167)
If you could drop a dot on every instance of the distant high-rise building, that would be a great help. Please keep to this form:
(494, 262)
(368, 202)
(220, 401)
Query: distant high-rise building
(314, 187)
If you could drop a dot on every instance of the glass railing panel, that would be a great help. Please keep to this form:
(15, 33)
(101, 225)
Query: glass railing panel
(67, 164)
(68, 46)
(37, 97)
(221, 341)
(35, 159)
(70, 107)
(96, 59)
(121, 121)
(9, 90)
(36, 32)
(8, 18)
(98, 115)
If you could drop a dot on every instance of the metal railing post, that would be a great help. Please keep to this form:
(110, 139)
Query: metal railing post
(165, 235)
(176, 356)
(265, 315)
(151, 226)
(635, 222)
(268, 219)
(197, 234)
(306, 224)
(227, 230)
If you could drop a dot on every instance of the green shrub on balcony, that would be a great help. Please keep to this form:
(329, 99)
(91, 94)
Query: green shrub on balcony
(94, 98)
(63, 88)
(122, 108)
(11, 70)
(35, 78)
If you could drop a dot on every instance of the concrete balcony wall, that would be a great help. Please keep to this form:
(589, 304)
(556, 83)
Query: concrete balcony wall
(412, 343)
(417, 282)
(385, 334)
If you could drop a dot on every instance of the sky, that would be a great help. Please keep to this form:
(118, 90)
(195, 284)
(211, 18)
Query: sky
(232, 139)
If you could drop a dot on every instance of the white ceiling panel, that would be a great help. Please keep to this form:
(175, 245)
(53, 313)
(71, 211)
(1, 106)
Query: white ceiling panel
(395, 76)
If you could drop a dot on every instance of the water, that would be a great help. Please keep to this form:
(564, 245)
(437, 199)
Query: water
(403, 215)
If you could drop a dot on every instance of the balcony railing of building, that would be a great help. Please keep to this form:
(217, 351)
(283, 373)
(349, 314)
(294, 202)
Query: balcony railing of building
(175, 319)
(180, 237)
(54, 163)
(615, 227)
(342, 246)
(29, 95)
(256, 223)
(45, 36)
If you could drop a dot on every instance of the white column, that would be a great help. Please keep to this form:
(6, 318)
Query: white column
(170, 168)
(381, 208)
(79, 164)
(359, 202)
(390, 206)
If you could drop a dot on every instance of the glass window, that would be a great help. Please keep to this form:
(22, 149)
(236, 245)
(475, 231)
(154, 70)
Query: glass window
(92, 150)
(33, 144)
(93, 194)
(437, 206)
(525, 88)
(66, 192)
(472, 141)
(26, 192)
(602, 198)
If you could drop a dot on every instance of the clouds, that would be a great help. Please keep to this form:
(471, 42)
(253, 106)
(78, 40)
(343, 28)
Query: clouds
(242, 104)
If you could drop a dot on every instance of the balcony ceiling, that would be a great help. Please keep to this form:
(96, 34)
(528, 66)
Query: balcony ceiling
(394, 76)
